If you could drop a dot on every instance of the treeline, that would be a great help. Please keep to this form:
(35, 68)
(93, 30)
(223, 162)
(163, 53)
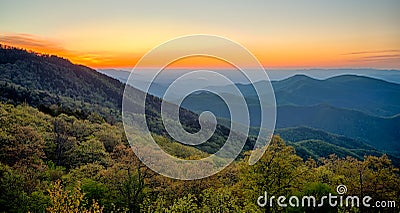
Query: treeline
(65, 164)
(56, 86)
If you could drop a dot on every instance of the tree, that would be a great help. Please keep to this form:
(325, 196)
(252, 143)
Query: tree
(109, 136)
(62, 141)
(65, 201)
(12, 195)
(279, 172)
(126, 178)
(185, 204)
(24, 147)
(374, 176)
(220, 200)
(318, 190)
(89, 151)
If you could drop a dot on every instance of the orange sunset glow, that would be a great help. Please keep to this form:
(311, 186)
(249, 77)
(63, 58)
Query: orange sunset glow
(279, 35)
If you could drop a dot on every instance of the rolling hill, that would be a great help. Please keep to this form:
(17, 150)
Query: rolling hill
(381, 133)
(352, 106)
(372, 96)
(318, 143)
(302, 133)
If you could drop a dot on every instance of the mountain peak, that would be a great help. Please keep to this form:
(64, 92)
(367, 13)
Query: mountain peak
(298, 77)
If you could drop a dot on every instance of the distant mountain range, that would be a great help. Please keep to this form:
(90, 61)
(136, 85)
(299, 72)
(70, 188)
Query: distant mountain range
(369, 95)
(359, 110)
(392, 76)
(372, 96)
(355, 106)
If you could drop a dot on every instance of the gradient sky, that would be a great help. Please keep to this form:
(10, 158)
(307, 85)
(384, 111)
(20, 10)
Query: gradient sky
(281, 33)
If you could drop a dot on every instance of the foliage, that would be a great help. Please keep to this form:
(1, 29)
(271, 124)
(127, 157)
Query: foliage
(65, 201)
(39, 150)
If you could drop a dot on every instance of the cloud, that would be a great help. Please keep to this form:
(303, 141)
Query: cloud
(382, 56)
(30, 41)
(372, 52)
(49, 46)
(379, 58)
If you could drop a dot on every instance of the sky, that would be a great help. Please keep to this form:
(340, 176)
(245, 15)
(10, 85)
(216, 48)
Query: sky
(280, 33)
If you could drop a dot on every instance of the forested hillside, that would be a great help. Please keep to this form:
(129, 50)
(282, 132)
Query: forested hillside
(381, 133)
(64, 164)
(54, 85)
(316, 143)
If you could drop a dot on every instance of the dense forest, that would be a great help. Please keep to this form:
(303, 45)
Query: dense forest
(63, 149)
(64, 164)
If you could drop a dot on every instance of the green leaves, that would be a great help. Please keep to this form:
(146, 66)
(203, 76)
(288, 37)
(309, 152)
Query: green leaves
(38, 150)
(89, 151)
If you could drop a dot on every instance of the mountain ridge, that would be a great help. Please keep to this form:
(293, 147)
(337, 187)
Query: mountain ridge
(55, 86)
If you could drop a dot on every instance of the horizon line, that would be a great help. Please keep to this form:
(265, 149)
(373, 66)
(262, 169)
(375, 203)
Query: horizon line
(70, 58)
